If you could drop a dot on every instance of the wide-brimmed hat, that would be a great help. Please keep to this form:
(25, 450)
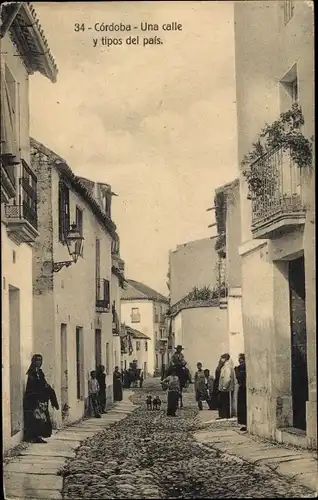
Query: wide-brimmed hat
(179, 347)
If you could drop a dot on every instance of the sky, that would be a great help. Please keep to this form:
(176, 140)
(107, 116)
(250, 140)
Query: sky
(157, 122)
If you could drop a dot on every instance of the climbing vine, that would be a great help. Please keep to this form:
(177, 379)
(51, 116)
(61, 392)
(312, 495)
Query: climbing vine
(283, 134)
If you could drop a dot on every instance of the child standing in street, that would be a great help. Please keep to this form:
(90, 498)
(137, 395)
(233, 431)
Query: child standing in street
(201, 392)
(93, 393)
(173, 385)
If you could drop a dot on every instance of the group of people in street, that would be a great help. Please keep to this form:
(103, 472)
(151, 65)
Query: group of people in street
(97, 390)
(217, 391)
(133, 376)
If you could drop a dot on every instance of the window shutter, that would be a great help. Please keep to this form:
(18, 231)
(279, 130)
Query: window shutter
(61, 212)
(106, 293)
(67, 210)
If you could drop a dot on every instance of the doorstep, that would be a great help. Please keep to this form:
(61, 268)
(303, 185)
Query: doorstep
(292, 436)
(299, 465)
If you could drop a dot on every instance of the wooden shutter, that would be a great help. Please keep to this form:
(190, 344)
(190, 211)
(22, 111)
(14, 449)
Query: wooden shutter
(67, 210)
(61, 212)
(106, 293)
(64, 211)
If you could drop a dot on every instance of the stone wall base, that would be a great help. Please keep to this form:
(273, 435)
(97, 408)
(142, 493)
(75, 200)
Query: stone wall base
(109, 396)
(311, 417)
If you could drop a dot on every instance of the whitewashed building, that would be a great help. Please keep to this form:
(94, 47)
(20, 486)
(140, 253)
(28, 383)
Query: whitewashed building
(73, 321)
(144, 309)
(24, 51)
(274, 51)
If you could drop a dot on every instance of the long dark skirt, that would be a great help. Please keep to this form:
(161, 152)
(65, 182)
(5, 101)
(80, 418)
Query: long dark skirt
(241, 406)
(37, 422)
(172, 403)
(214, 400)
(102, 400)
(118, 390)
(224, 405)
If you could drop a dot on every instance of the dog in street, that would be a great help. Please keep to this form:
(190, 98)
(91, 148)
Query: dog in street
(149, 402)
(156, 403)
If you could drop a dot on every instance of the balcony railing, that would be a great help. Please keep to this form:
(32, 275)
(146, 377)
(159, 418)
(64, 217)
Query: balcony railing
(102, 295)
(22, 216)
(281, 201)
(19, 212)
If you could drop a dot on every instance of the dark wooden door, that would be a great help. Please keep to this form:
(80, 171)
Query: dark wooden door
(98, 347)
(298, 341)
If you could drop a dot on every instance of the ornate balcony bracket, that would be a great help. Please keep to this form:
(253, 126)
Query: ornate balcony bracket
(57, 266)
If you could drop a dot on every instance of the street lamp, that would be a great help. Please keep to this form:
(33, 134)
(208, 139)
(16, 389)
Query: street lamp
(74, 242)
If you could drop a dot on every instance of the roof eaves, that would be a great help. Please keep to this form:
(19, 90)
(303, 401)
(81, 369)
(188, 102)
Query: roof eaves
(63, 168)
(28, 36)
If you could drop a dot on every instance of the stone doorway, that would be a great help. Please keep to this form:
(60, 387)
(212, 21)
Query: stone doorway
(64, 373)
(296, 276)
(16, 390)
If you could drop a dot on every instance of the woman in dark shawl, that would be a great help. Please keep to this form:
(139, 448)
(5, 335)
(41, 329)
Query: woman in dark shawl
(240, 373)
(101, 379)
(117, 385)
(38, 393)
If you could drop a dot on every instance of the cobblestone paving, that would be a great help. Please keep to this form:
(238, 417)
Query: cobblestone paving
(149, 455)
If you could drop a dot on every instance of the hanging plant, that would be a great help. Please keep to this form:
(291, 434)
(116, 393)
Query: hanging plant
(283, 134)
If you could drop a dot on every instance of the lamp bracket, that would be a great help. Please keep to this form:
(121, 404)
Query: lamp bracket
(57, 266)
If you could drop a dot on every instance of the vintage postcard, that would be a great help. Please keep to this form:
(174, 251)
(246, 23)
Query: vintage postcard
(158, 249)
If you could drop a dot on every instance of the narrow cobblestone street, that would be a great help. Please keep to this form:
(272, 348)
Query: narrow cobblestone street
(149, 455)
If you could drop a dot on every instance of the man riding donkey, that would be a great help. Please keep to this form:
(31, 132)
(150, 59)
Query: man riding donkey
(178, 363)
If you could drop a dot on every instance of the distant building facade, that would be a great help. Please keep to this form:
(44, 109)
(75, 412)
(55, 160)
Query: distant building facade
(201, 327)
(274, 46)
(134, 348)
(192, 264)
(144, 309)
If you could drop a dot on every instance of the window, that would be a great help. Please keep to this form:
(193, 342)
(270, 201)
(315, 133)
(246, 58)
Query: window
(10, 112)
(288, 10)
(79, 363)
(289, 89)
(103, 294)
(137, 345)
(79, 223)
(146, 345)
(107, 367)
(157, 361)
(64, 211)
(156, 315)
(29, 194)
(135, 315)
